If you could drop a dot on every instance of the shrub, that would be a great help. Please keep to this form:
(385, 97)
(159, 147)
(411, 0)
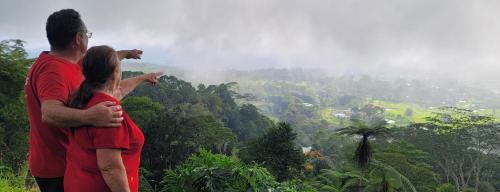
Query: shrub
(486, 187)
(446, 188)
(215, 172)
(12, 182)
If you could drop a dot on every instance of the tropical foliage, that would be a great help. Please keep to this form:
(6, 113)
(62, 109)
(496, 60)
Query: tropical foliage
(357, 133)
(214, 172)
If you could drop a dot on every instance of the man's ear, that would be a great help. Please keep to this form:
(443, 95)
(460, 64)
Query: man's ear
(77, 40)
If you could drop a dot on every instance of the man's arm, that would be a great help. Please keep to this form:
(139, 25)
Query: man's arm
(105, 114)
(112, 169)
(129, 54)
(128, 85)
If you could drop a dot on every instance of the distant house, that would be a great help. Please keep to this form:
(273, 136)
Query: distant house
(342, 113)
(307, 104)
(306, 150)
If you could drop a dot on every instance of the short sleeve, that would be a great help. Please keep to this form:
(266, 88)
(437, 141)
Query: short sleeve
(111, 138)
(51, 85)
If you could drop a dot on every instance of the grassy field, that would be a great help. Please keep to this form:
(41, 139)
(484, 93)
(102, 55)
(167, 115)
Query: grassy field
(394, 110)
(397, 112)
(326, 114)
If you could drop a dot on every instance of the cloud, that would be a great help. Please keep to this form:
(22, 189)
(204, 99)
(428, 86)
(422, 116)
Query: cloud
(454, 38)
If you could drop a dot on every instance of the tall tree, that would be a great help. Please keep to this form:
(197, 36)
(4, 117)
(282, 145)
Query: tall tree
(458, 141)
(409, 161)
(14, 126)
(365, 130)
(179, 132)
(277, 151)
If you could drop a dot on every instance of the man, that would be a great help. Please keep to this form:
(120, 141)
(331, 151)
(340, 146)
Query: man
(51, 81)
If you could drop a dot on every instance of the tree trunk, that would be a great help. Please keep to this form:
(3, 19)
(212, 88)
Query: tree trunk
(461, 174)
(477, 165)
(445, 170)
(478, 174)
(456, 180)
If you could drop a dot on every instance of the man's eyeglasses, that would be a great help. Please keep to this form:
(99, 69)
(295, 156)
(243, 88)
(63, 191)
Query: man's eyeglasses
(87, 33)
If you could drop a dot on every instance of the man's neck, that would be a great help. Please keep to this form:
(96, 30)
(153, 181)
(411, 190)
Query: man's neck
(69, 55)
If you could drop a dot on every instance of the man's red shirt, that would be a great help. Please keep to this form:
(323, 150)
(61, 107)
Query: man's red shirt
(49, 78)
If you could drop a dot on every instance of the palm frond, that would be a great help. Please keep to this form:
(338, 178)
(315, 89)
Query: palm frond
(406, 182)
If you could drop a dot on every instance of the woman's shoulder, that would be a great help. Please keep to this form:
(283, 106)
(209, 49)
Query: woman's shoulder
(99, 97)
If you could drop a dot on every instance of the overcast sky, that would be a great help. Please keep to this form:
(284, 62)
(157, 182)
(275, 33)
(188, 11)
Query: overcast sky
(456, 38)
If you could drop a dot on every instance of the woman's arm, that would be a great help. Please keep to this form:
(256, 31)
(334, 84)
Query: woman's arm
(112, 169)
(128, 85)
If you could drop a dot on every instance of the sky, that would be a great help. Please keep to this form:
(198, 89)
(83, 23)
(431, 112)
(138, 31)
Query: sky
(458, 39)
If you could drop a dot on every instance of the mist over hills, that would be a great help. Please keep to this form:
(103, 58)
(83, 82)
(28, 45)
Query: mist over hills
(322, 85)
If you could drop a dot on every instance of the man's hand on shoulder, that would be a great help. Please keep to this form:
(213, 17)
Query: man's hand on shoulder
(104, 114)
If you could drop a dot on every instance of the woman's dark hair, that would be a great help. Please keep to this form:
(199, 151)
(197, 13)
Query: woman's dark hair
(98, 67)
(62, 26)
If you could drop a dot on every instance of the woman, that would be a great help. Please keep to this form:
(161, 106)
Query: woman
(103, 159)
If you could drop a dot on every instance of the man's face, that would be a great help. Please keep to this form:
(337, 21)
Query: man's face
(83, 39)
